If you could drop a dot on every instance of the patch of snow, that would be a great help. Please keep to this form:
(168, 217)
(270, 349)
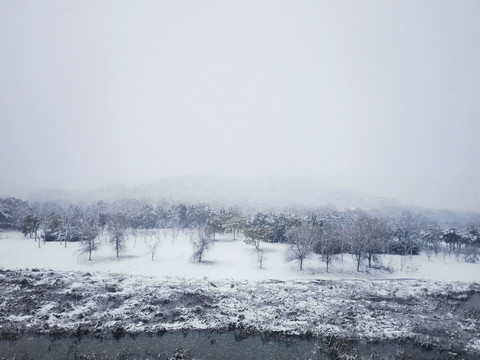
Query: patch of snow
(227, 259)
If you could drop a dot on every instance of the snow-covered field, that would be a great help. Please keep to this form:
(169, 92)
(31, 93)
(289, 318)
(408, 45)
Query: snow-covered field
(226, 259)
(56, 290)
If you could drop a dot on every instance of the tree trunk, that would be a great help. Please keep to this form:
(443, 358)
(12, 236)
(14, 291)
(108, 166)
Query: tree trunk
(301, 264)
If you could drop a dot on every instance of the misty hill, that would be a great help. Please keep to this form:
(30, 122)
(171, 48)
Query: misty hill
(261, 193)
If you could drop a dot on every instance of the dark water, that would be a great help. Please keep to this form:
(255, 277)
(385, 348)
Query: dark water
(206, 345)
(473, 303)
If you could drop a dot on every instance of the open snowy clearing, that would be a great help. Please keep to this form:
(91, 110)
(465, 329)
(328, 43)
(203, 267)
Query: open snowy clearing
(226, 259)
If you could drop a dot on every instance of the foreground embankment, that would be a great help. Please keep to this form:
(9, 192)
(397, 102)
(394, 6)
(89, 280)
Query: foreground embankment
(434, 316)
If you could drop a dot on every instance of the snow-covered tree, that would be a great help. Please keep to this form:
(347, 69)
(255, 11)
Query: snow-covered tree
(302, 239)
(431, 238)
(257, 230)
(12, 211)
(329, 242)
(255, 234)
(260, 257)
(71, 221)
(153, 247)
(407, 233)
(358, 233)
(377, 231)
(89, 231)
(279, 224)
(30, 225)
(234, 221)
(217, 223)
(117, 227)
(202, 242)
(472, 248)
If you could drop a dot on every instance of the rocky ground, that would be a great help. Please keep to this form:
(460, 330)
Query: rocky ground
(435, 315)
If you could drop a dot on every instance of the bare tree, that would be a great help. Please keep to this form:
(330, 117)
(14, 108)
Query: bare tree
(428, 251)
(376, 232)
(329, 243)
(358, 235)
(152, 247)
(43, 226)
(407, 232)
(155, 243)
(70, 220)
(174, 232)
(202, 242)
(302, 239)
(117, 227)
(260, 257)
(89, 230)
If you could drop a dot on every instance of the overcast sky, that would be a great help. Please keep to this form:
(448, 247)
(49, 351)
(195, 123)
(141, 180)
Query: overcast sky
(377, 96)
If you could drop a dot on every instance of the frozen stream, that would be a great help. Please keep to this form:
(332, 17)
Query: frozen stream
(200, 345)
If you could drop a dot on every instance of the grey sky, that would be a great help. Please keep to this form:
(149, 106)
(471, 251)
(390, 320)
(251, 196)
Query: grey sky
(379, 96)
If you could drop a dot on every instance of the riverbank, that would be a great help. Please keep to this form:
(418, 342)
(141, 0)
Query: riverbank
(435, 315)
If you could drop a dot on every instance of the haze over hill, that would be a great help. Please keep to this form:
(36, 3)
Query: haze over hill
(262, 192)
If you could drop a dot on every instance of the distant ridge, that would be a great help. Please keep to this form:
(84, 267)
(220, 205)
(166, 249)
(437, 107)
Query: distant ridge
(260, 193)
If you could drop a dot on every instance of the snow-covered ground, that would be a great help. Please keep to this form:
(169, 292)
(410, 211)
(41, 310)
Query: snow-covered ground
(436, 315)
(226, 259)
(434, 303)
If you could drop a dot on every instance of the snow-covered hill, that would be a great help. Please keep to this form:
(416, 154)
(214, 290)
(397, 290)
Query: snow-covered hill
(255, 193)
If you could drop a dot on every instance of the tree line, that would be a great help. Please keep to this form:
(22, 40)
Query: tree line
(326, 231)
